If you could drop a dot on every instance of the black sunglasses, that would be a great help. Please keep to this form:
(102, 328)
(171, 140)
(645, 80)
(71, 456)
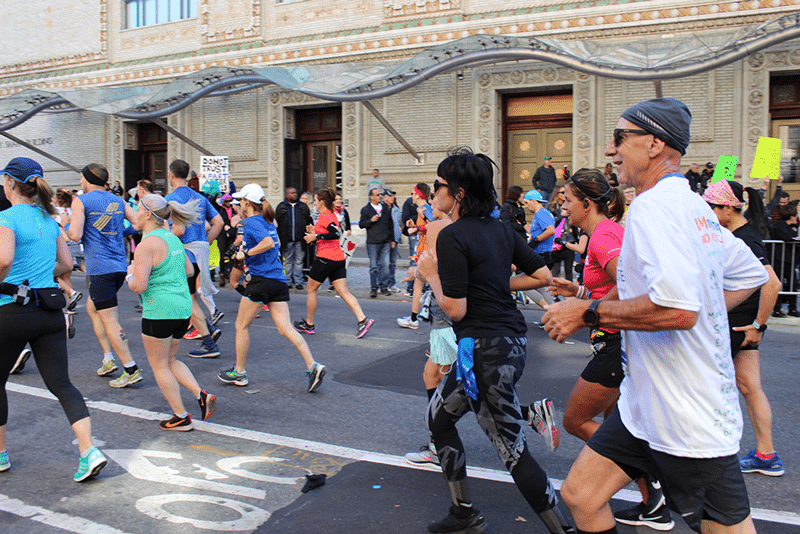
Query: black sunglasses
(437, 185)
(618, 139)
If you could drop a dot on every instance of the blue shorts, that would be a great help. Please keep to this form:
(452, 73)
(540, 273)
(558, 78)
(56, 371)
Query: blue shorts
(103, 289)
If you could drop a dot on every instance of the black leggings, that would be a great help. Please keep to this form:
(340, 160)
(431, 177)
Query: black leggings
(46, 333)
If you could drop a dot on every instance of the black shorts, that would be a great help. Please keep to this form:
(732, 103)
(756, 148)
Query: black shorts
(103, 289)
(266, 290)
(737, 338)
(164, 328)
(193, 279)
(323, 268)
(697, 488)
(605, 368)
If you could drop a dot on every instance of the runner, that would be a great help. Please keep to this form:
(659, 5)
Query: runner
(678, 417)
(264, 283)
(31, 253)
(472, 283)
(329, 263)
(197, 241)
(97, 220)
(159, 271)
(748, 320)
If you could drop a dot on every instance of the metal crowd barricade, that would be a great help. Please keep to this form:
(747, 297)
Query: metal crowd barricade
(783, 258)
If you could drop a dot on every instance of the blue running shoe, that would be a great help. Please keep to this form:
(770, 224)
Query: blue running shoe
(91, 465)
(5, 463)
(208, 349)
(753, 464)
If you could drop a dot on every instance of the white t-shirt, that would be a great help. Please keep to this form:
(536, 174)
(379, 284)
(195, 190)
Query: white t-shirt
(679, 392)
(378, 207)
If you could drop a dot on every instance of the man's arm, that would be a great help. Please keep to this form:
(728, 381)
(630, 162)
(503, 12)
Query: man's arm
(216, 226)
(540, 278)
(549, 231)
(131, 215)
(366, 219)
(766, 302)
(77, 220)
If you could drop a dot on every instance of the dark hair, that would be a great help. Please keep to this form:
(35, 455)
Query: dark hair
(425, 189)
(179, 169)
(327, 196)
(591, 184)
(99, 172)
(64, 198)
(755, 213)
(38, 190)
(514, 192)
(474, 174)
(147, 185)
(787, 211)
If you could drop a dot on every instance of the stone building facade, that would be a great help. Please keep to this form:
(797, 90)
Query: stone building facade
(516, 112)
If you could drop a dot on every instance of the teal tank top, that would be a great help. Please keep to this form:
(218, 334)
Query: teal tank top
(167, 294)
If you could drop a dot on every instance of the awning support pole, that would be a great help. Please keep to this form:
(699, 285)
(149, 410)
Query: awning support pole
(659, 92)
(180, 136)
(395, 133)
(39, 151)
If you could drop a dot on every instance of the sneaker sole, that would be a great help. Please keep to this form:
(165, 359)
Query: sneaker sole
(193, 337)
(215, 319)
(366, 329)
(126, 384)
(211, 407)
(72, 304)
(93, 472)
(765, 472)
(410, 327)
(429, 466)
(215, 335)
(106, 373)
(209, 355)
(240, 383)
(554, 433)
(663, 527)
(20, 365)
(318, 380)
(185, 428)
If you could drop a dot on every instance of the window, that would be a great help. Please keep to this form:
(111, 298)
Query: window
(146, 12)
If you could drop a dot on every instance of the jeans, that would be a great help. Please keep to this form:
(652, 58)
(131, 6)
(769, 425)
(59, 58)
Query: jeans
(412, 248)
(378, 264)
(293, 262)
(393, 253)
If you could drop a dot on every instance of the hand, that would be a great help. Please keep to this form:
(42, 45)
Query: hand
(427, 265)
(226, 227)
(410, 275)
(394, 244)
(557, 241)
(240, 254)
(780, 179)
(563, 288)
(375, 218)
(348, 233)
(309, 229)
(766, 183)
(130, 268)
(565, 318)
(411, 224)
(310, 238)
(752, 337)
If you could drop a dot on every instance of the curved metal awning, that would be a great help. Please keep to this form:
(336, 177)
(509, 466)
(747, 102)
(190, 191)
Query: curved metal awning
(641, 59)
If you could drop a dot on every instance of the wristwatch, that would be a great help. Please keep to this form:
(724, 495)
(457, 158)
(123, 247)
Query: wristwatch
(760, 327)
(590, 316)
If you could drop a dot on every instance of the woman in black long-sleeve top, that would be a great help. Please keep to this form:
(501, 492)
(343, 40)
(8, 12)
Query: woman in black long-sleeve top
(512, 213)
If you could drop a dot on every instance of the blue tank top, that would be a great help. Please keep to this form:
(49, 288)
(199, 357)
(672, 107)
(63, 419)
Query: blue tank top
(206, 210)
(35, 242)
(103, 244)
(267, 264)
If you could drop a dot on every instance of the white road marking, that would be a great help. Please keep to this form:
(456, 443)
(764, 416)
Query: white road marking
(774, 516)
(251, 516)
(54, 519)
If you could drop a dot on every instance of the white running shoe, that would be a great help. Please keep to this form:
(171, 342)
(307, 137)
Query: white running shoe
(406, 322)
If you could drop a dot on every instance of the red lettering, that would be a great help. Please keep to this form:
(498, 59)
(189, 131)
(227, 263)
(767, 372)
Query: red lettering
(701, 223)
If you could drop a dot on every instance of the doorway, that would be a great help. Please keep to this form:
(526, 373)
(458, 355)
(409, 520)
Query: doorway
(784, 109)
(314, 160)
(536, 126)
(148, 160)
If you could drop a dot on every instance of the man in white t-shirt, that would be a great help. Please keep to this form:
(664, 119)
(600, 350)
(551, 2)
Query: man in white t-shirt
(678, 417)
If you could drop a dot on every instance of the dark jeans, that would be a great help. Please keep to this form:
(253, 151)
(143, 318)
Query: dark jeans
(393, 253)
(378, 264)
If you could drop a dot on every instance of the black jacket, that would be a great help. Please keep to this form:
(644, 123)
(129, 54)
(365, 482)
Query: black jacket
(380, 231)
(292, 222)
(513, 215)
(409, 211)
(545, 179)
(694, 180)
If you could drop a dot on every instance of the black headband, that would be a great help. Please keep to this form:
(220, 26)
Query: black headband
(604, 197)
(91, 177)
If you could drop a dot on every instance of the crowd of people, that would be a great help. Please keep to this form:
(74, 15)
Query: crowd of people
(631, 271)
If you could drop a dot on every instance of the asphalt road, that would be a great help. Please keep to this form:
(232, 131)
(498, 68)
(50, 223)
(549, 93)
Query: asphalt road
(244, 469)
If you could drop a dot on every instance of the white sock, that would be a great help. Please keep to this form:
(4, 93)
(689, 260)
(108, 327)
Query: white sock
(183, 415)
(108, 356)
(129, 365)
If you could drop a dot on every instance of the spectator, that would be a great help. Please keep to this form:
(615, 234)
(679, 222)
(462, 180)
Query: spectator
(376, 219)
(785, 259)
(610, 175)
(705, 177)
(693, 176)
(376, 182)
(544, 180)
(512, 213)
(117, 189)
(780, 198)
(391, 200)
(292, 218)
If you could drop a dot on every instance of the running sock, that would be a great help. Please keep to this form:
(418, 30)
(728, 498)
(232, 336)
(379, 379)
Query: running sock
(183, 415)
(764, 456)
(430, 393)
(107, 357)
(131, 368)
(85, 454)
(413, 316)
(199, 394)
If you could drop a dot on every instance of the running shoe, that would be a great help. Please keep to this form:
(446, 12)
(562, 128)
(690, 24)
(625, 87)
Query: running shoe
(180, 424)
(363, 327)
(107, 367)
(208, 405)
(373, 293)
(215, 317)
(426, 455)
(194, 334)
(299, 287)
(315, 376)
(639, 515)
(20, 363)
(304, 327)
(214, 331)
(70, 324)
(5, 463)
(331, 289)
(542, 419)
(265, 307)
(393, 289)
(230, 376)
(751, 463)
(126, 379)
(406, 322)
(385, 292)
(208, 349)
(74, 299)
(139, 308)
(90, 466)
(460, 520)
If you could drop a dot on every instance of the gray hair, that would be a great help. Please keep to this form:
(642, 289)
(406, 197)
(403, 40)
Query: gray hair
(184, 214)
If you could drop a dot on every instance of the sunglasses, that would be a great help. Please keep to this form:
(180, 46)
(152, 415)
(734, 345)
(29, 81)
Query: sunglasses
(438, 185)
(618, 139)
